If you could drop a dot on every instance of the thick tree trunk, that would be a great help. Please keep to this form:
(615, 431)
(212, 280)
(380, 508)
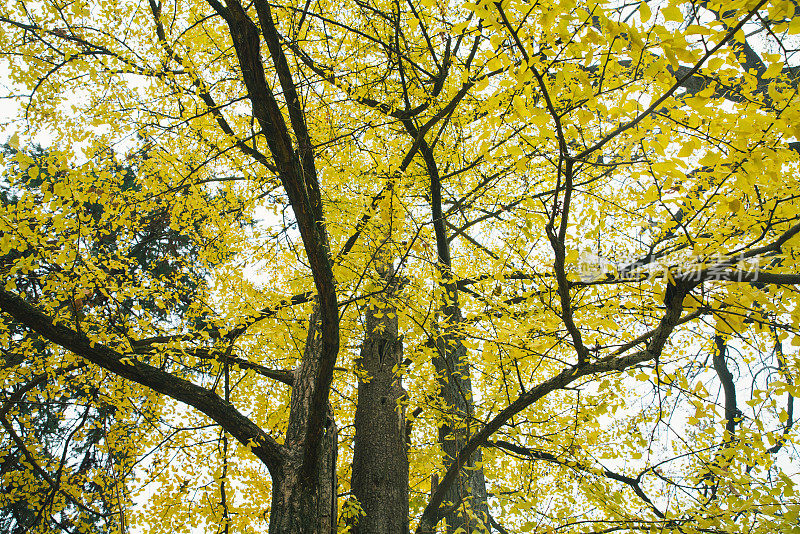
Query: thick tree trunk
(380, 462)
(455, 385)
(305, 503)
(307, 507)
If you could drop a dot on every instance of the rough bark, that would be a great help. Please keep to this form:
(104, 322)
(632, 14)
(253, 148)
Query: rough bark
(304, 504)
(304, 494)
(300, 506)
(380, 461)
(455, 385)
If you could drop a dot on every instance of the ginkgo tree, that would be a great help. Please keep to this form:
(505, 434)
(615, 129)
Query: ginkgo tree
(450, 267)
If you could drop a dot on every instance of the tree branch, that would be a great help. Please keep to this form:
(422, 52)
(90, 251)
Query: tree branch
(229, 418)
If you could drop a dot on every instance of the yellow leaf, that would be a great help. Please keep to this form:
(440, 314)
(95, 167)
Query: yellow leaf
(794, 26)
(672, 14)
(773, 70)
(715, 63)
(519, 106)
(644, 12)
(686, 149)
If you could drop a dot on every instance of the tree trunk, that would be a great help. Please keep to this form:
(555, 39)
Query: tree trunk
(380, 461)
(302, 507)
(305, 503)
(455, 385)
(452, 372)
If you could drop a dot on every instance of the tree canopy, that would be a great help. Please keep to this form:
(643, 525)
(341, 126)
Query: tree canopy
(383, 266)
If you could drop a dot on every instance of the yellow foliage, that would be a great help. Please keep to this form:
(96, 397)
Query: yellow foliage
(581, 201)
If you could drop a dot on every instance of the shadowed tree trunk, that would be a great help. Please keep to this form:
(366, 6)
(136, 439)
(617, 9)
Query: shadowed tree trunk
(303, 506)
(452, 372)
(380, 461)
(304, 488)
(306, 503)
